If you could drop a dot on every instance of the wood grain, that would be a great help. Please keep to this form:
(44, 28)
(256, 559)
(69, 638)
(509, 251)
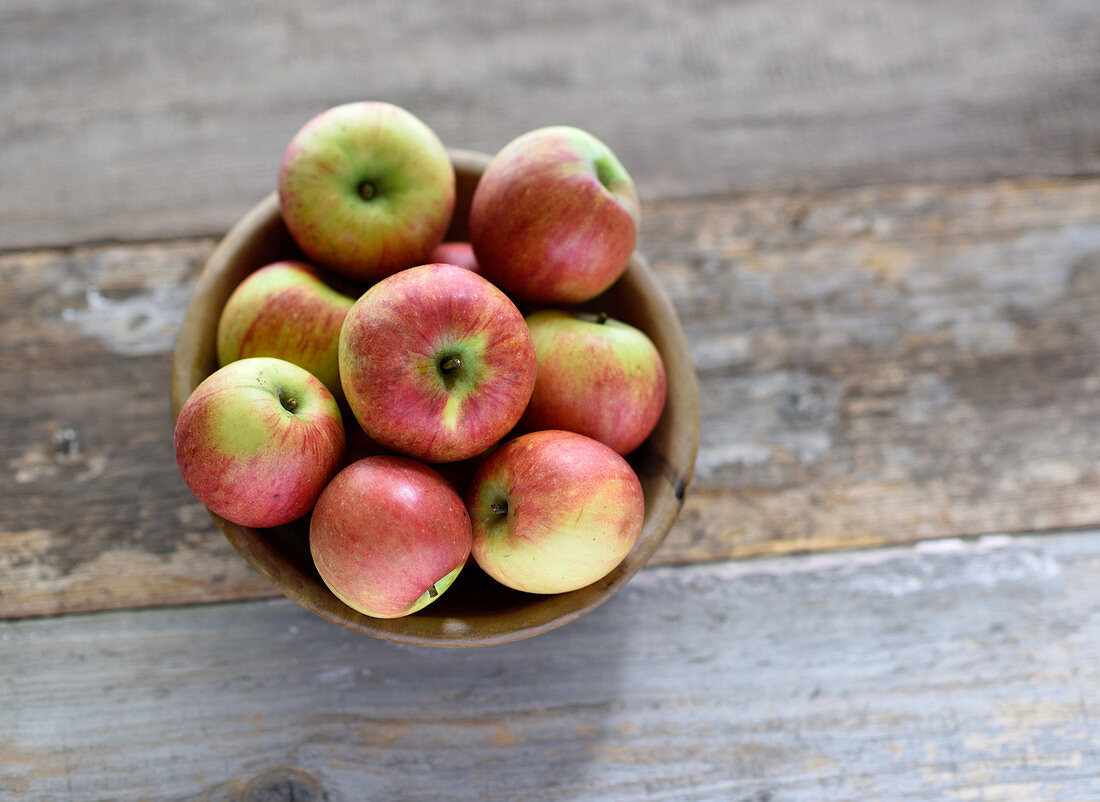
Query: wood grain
(94, 513)
(888, 364)
(876, 365)
(137, 120)
(964, 671)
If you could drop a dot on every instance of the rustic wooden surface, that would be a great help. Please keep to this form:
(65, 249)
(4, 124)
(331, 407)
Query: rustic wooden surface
(876, 365)
(153, 119)
(880, 224)
(968, 671)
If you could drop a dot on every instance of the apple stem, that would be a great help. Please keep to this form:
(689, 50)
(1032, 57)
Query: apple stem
(366, 190)
(289, 402)
(601, 318)
(432, 592)
(450, 364)
(499, 508)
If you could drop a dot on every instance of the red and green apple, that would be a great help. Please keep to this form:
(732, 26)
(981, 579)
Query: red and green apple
(436, 363)
(389, 535)
(553, 511)
(286, 310)
(366, 189)
(597, 376)
(257, 440)
(554, 218)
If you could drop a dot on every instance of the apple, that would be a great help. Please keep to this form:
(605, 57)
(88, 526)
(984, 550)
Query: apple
(553, 511)
(257, 440)
(554, 218)
(389, 535)
(366, 189)
(436, 363)
(455, 252)
(285, 310)
(596, 376)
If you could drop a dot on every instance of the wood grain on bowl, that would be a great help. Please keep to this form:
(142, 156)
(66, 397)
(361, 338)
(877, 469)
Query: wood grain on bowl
(475, 611)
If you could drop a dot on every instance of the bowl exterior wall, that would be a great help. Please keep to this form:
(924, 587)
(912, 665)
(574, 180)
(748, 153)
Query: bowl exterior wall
(475, 611)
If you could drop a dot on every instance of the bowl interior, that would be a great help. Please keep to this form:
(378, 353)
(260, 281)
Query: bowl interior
(476, 610)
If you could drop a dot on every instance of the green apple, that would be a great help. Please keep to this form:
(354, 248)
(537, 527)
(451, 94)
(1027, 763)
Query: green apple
(366, 189)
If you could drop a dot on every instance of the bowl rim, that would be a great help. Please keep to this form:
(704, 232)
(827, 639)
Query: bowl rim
(675, 468)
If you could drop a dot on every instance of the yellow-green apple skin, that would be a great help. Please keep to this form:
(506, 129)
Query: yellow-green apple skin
(553, 511)
(436, 363)
(257, 440)
(596, 376)
(388, 536)
(366, 189)
(286, 310)
(554, 217)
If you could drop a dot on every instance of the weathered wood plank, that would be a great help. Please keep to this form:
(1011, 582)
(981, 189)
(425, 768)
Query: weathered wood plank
(93, 516)
(876, 365)
(885, 364)
(965, 671)
(137, 120)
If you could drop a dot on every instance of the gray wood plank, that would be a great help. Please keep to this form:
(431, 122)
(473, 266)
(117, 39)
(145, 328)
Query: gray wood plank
(137, 120)
(885, 364)
(954, 670)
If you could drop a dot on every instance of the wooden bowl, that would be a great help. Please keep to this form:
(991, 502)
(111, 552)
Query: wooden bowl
(475, 611)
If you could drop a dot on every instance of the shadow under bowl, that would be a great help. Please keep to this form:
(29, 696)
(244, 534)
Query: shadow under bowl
(475, 611)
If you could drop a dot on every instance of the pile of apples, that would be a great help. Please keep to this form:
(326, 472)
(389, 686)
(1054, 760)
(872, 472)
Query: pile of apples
(389, 386)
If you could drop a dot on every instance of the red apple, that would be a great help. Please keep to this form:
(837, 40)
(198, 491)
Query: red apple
(257, 440)
(553, 511)
(554, 217)
(285, 310)
(389, 535)
(436, 363)
(455, 253)
(596, 376)
(366, 189)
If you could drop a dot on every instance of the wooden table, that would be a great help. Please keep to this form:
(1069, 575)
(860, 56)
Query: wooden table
(880, 224)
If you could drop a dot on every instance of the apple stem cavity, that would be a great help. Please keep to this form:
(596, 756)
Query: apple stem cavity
(289, 402)
(450, 364)
(366, 190)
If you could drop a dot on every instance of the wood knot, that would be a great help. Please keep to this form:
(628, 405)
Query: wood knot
(283, 784)
(66, 446)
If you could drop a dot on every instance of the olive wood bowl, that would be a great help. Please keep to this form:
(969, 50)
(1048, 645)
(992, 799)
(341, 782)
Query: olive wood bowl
(475, 611)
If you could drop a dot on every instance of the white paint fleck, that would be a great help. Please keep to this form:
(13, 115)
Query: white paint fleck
(93, 467)
(138, 325)
(343, 675)
(946, 545)
(722, 351)
(34, 464)
(714, 457)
